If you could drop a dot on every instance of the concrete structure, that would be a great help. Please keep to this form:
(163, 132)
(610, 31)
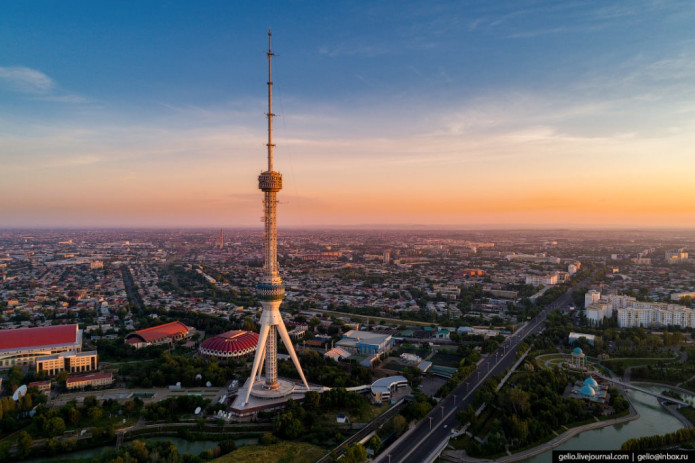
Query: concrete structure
(95, 380)
(656, 315)
(23, 346)
(590, 390)
(72, 362)
(595, 313)
(271, 289)
(160, 334)
(366, 342)
(634, 313)
(545, 280)
(232, 344)
(337, 354)
(42, 386)
(578, 358)
(383, 388)
(676, 257)
(591, 297)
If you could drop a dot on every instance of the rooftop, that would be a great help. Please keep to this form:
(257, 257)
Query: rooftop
(37, 337)
(154, 333)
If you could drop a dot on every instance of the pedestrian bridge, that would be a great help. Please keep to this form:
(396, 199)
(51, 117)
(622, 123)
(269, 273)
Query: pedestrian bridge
(653, 394)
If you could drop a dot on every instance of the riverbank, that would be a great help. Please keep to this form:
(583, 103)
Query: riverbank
(461, 456)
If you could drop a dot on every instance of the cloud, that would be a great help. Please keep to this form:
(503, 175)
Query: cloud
(37, 85)
(70, 98)
(25, 80)
(354, 49)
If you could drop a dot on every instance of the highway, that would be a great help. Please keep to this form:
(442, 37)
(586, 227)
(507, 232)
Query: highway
(429, 433)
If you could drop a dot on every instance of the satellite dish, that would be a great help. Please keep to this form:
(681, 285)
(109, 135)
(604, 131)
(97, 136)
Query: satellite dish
(20, 392)
(208, 384)
(197, 411)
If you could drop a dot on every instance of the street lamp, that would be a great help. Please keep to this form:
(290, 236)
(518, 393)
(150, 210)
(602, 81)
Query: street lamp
(454, 400)
(442, 411)
(430, 423)
(389, 458)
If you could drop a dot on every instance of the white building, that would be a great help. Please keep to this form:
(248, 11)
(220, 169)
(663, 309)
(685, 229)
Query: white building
(545, 280)
(656, 314)
(591, 297)
(676, 257)
(633, 313)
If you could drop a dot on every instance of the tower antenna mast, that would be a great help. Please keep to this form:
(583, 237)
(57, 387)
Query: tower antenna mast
(270, 102)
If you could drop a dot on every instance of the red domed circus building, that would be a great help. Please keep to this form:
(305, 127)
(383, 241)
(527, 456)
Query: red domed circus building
(232, 344)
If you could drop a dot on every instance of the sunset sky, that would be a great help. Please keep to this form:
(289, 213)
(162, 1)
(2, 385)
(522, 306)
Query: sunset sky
(448, 113)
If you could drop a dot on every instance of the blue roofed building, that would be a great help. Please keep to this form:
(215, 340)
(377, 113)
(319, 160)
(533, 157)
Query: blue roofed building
(366, 343)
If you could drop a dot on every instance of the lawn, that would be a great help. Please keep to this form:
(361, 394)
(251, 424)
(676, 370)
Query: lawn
(282, 452)
(393, 365)
(365, 414)
(634, 362)
(446, 359)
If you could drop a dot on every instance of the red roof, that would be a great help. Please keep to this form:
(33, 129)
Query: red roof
(40, 383)
(95, 376)
(38, 337)
(168, 330)
(231, 341)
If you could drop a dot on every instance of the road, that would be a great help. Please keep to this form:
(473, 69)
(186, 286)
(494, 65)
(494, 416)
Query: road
(437, 425)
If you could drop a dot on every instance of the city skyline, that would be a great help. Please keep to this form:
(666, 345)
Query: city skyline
(534, 115)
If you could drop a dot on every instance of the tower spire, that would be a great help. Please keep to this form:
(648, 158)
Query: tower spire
(270, 102)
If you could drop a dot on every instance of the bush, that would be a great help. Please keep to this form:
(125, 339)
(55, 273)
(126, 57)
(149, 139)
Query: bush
(227, 446)
(267, 439)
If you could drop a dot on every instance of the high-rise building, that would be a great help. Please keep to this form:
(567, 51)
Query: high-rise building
(270, 289)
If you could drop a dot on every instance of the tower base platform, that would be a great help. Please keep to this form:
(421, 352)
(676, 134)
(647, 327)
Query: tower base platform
(265, 400)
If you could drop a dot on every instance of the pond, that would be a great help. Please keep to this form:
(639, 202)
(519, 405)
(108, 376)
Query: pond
(653, 420)
(183, 445)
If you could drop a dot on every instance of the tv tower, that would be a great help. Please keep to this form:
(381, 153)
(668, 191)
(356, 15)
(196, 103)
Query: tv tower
(270, 289)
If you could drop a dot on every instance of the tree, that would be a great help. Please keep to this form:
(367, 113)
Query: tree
(95, 413)
(90, 401)
(286, 425)
(374, 443)
(227, 446)
(356, 453)
(24, 444)
(399, 424)
(267, 439)
(54, 426)
(62, 377)
(15, 376)
(138, 450)
(516, 400)
(312, 399)
(466, 416)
